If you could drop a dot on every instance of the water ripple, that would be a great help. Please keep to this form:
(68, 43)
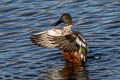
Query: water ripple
(20, 59)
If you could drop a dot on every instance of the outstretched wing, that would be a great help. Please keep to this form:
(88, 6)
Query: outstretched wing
(67, 43)
(71, 42)
(43, 39)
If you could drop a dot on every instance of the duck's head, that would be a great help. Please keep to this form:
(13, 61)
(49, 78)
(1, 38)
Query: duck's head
(65, 18)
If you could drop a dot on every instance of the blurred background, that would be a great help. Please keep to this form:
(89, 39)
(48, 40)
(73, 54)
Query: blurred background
(97, 20)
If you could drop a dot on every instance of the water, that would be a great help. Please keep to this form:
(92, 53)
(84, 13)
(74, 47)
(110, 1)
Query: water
(20, 59)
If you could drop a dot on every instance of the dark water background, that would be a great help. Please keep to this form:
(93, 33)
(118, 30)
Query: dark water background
(20, 59)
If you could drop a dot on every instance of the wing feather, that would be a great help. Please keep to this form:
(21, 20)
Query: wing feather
(66, 42)
(44, 40)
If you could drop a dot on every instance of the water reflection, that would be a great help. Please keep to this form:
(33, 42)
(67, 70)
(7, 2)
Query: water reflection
(74, 71)
(69, 72)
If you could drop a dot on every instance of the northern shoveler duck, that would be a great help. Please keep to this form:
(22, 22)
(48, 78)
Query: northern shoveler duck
(72, 45)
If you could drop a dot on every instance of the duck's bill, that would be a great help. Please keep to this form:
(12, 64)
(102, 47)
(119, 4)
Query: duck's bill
(56, 23)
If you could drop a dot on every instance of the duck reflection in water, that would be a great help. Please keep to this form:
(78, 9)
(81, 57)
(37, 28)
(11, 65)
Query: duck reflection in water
(73, 72)
(70, 71)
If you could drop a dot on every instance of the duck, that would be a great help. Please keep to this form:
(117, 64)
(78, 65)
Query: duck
(71, 44)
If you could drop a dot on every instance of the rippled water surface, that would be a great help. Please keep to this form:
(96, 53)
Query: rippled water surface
(20, 59)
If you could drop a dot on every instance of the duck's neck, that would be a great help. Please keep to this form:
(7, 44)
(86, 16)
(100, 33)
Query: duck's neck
(67, 29)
